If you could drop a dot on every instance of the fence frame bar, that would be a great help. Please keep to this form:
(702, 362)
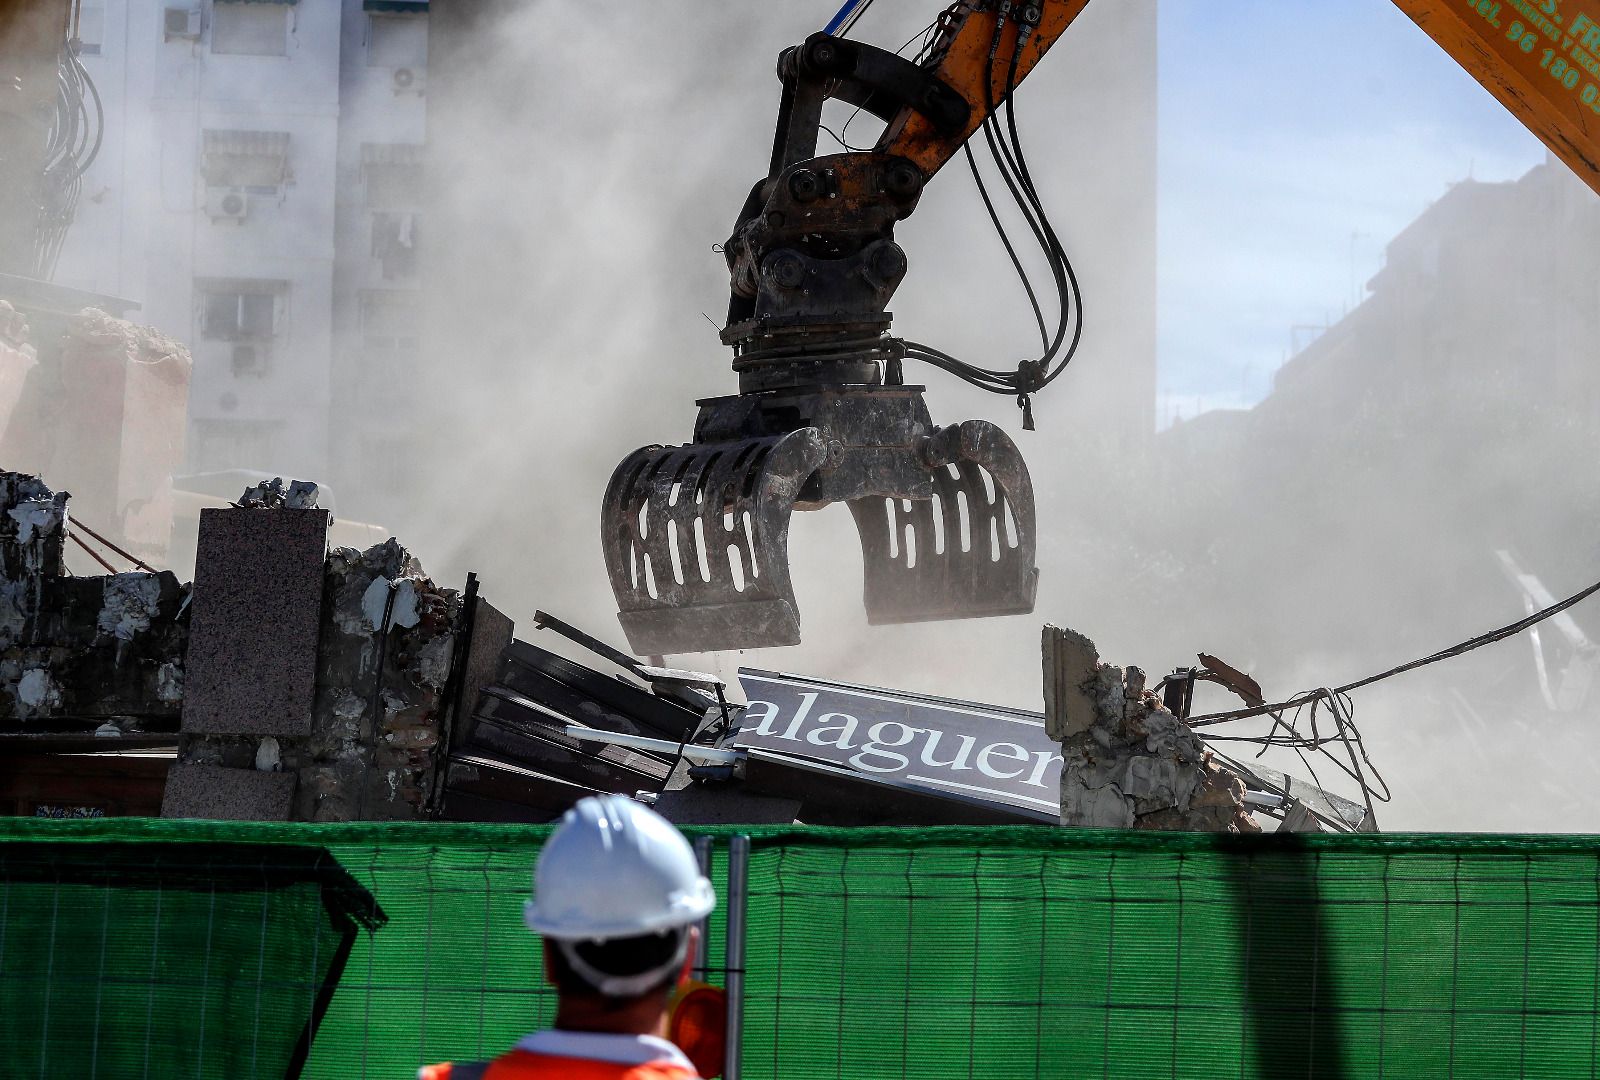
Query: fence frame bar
(702, 960)
(738, 890)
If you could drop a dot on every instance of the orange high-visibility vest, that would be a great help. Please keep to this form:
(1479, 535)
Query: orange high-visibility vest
(523, 1065)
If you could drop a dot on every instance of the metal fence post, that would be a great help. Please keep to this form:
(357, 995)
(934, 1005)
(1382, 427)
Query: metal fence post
(738, 880)
(702, 855)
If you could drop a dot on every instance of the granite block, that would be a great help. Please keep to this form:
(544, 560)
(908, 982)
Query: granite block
(218, 794)
(257, 607)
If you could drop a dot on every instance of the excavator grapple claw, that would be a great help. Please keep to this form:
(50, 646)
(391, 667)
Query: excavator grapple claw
(965, 552)
(696, 536)
(696, 540)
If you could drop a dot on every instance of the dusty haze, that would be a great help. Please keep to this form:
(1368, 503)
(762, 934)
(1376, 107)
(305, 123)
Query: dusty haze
(598, 168)
(583, 167)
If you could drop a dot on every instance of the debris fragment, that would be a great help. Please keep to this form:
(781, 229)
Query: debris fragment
(131, 603)
(36, 693)
(1128, 761)
(267, 755)
(271, 494)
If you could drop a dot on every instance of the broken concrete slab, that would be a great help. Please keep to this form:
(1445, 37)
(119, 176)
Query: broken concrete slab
(1070, 666)
(217, 793)
(257, 610)
(80, 651)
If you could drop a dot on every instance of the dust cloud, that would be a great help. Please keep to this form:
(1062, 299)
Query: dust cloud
(583, 167)
(587, 173)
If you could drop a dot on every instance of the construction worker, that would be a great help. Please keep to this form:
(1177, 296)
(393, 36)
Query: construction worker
(617, 894)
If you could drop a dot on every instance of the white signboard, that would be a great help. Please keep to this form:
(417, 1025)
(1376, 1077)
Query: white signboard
(985, 752)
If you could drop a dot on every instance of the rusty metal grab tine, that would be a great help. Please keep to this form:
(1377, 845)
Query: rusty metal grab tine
(726, 584)
(986, 566)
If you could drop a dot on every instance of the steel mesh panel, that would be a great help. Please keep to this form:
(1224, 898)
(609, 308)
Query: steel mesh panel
(927, 952)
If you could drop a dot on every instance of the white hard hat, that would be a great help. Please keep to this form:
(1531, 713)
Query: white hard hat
(615, 868)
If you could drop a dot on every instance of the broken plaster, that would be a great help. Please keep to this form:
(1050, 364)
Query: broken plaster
(36, 692)
(131, 602)
(403, 613)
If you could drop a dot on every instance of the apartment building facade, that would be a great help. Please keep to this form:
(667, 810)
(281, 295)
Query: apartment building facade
(256, 195)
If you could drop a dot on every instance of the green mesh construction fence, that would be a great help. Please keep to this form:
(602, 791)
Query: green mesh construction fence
(998, 952)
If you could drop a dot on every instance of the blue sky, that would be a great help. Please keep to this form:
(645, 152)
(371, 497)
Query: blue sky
(1296, 138)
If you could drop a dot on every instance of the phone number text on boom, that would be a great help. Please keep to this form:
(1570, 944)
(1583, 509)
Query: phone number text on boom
(1574, 50)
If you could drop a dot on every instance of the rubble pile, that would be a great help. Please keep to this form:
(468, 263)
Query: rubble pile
(81, 652)
(1128, 761)
(389, 637)
(363, 741)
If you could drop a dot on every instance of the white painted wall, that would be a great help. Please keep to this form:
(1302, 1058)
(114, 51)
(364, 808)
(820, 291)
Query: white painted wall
(142, 231)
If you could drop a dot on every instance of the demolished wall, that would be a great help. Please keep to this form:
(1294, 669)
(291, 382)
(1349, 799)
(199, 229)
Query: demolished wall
(1128, 762)
(345, 723)
(81, 652)
(389, 638)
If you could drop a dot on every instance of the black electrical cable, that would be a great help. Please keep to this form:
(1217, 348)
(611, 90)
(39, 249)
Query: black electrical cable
(1005, 148)
(1004, 169)
(1060, 262)
(1011, 252)
(1015, 164)
(72, 144)
(1489, 638)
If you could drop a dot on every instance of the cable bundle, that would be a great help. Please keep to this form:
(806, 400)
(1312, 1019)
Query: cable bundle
(1005, 150)
(74, 141)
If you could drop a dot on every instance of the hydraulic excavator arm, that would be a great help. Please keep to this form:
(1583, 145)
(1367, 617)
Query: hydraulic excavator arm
(973, 45)
(696, 536)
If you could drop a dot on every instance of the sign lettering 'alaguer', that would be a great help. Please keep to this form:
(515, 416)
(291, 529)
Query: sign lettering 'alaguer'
(978, 751)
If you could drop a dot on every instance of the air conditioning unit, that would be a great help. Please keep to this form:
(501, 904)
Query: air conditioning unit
(249, 359)
(409, 81)
(181, 23)
(227, 204)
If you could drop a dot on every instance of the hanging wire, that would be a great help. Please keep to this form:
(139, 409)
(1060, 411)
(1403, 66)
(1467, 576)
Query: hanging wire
(926, 35)
(73, 142)
(1356, 763)
(1458, 649)
(1010, 163)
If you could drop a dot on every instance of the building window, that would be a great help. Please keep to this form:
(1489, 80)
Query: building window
(394, 244)
(392, 175)
(90, 28)
(397, 41)
(250, 28)
(244, 317)
(387, 464)
(391, 342)
(391, 332)
(256, 162)
(234, 314)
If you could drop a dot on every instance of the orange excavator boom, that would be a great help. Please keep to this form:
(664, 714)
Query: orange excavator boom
(1539, 58)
